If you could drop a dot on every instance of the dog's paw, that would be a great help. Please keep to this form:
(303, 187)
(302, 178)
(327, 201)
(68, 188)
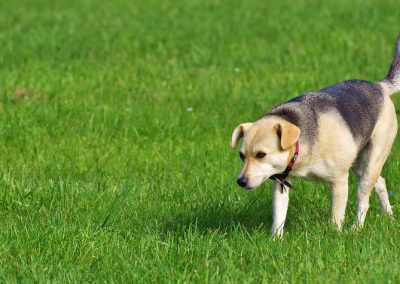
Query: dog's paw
(356, 227)
(277, 234)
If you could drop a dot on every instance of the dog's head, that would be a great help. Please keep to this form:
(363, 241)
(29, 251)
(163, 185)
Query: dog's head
(266, 149)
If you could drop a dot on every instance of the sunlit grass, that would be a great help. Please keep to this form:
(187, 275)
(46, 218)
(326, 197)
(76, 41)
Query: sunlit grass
(115, 121)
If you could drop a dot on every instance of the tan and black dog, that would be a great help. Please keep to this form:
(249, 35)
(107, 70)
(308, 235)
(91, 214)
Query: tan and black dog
(321, 136)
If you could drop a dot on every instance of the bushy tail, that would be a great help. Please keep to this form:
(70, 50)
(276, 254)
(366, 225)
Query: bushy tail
(391, 84)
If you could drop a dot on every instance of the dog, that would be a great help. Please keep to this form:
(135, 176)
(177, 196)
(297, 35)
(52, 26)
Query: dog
(321, 136)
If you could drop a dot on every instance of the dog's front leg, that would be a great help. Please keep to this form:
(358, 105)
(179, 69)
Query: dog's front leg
(280, 206)
(339, 200)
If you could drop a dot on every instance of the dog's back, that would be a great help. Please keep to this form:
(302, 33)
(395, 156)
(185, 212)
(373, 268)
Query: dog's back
(357, 102)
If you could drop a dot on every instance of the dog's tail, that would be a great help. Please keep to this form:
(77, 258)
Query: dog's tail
(391, 84)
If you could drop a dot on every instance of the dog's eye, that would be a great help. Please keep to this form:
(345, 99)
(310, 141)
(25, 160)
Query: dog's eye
(260, 155)
(241, 155)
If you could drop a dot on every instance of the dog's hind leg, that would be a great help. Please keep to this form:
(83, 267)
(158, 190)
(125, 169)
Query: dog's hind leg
(367, 182)
(382, 193)
(380, 190)
(373, 157)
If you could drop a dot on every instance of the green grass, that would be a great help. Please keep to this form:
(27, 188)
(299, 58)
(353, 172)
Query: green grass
(105, 175)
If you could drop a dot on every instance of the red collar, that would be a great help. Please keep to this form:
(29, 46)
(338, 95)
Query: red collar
(281, 178)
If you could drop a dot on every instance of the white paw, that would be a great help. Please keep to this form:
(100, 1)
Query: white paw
(356, 227)
(277, 234)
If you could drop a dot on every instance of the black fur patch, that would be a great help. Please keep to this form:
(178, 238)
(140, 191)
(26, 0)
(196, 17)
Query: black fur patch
(358, 102)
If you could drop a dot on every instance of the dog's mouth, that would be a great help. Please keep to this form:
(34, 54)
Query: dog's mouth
(248, 188)
(251, 187)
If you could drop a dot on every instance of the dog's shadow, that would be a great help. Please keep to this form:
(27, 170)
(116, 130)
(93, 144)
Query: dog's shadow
(219, 217)
(255, 214)
(252, 213)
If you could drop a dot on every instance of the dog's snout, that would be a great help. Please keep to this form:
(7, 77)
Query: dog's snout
(242, 181)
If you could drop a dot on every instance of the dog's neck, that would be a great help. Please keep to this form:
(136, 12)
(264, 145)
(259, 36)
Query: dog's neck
(304, 160)
(292, 151)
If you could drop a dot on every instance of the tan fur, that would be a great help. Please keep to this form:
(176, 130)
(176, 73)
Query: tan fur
(330, 159)
(238, 133)
(290, 134)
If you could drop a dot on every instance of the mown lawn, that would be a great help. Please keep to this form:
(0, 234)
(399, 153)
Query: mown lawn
(115, 122)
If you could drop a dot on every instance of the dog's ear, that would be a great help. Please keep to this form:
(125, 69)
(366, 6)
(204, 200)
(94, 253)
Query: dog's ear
(238, 133)
(288, 134)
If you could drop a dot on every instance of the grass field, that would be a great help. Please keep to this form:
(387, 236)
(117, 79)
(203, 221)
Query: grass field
(115, 123)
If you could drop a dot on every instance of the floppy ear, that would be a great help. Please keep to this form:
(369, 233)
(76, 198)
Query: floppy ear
(238, 133)
(288, 133)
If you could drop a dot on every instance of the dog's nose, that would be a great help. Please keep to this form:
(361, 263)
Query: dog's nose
(242, 181)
